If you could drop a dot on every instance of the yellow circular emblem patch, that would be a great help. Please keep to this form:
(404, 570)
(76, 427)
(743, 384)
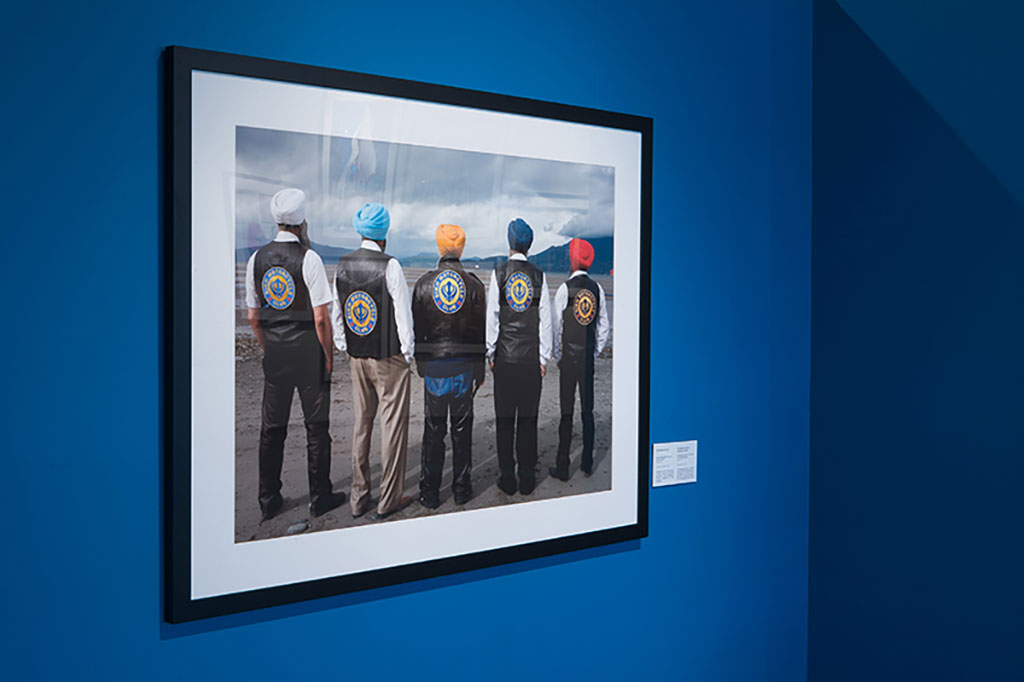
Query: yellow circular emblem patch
(449, 292)
(519, 291)
(360, 313)
(278, 288)
(584, 306)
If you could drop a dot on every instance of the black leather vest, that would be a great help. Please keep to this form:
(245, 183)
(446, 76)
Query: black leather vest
(579, 320)
(366, 305)
(519, 292)
(448, 312)
(286, 314)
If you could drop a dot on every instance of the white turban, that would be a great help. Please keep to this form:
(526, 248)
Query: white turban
(289, 206)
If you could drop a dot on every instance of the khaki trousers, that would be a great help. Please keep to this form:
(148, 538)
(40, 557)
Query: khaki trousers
(383, 383)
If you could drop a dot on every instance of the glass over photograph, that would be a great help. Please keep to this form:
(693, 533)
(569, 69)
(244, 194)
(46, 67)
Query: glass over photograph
(419, 330)
(407, 331)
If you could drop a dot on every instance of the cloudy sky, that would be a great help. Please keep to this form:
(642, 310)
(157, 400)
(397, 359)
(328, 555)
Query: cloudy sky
(422, 188)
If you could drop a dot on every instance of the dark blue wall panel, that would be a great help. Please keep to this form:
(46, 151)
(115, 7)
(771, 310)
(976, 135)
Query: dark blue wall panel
(717, 592)
(917, 435)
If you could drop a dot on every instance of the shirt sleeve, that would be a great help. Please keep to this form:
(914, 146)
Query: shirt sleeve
(604, 325)
(403, 307)
(561, 300)
(492, 316)
(545, 321)
(337, 321)
(316, 279)
(251, 300)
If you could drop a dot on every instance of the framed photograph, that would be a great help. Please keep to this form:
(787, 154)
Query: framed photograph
(406, 330)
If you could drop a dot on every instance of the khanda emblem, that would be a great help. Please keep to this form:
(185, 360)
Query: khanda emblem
(360, 313)
(278, 288)
(449, 291)
(584, 306)
(519, 291)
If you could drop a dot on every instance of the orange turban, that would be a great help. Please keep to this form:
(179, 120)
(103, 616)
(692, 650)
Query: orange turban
(581, 254)
(450, 240)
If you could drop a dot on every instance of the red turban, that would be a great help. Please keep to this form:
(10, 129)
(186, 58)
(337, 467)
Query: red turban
(581, 254)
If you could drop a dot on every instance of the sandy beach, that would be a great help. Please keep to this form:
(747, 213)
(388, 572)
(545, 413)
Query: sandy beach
(295, 517)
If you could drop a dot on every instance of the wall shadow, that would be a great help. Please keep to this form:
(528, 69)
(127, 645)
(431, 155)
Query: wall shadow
(917, 432)
(168, 631)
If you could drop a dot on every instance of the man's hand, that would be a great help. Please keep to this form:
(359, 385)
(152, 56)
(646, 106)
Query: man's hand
(322, 323)
(257, 328)
(543, 371)
(491, 363)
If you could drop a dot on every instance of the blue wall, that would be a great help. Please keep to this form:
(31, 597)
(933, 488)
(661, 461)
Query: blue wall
(718, 590)
(917, 414)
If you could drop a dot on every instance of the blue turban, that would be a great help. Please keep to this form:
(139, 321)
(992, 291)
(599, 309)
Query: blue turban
(520, 235)
(372, 221)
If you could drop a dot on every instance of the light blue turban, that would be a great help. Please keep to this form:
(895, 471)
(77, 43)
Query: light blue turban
(372, 221)
(520, 235)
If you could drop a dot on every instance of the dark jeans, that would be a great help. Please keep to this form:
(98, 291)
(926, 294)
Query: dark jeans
(576, 375)
(435, 424)
(516, 401)
(303, 367)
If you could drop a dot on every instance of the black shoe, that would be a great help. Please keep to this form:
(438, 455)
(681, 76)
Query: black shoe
(526, 485)
(326, 503)
(463, 496)
(587, 471)
(270, 509)
(430, 501)
(558, 473)
(507, 486)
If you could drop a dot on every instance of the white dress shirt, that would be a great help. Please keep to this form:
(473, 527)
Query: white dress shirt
(313, 274)
(494, 307)
(399, 291)
(604, 327)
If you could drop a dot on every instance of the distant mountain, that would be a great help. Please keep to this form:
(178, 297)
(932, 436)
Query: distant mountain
(429, 260)
(425, 259)
(485, 263)
(556, 258)
(329, 254)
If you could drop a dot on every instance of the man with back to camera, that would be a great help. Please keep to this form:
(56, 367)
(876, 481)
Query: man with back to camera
(518, 348)
(287, 293)
(581, 328)
(448, 307)
(373, 323)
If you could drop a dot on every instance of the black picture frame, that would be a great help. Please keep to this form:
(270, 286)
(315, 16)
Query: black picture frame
(179, 64)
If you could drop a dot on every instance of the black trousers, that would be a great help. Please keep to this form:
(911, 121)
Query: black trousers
(435, 424)
(576, 375)
(301, 366)
(516, 401)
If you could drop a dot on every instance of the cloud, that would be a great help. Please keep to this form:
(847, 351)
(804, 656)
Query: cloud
(599, 221)
(422, 187)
